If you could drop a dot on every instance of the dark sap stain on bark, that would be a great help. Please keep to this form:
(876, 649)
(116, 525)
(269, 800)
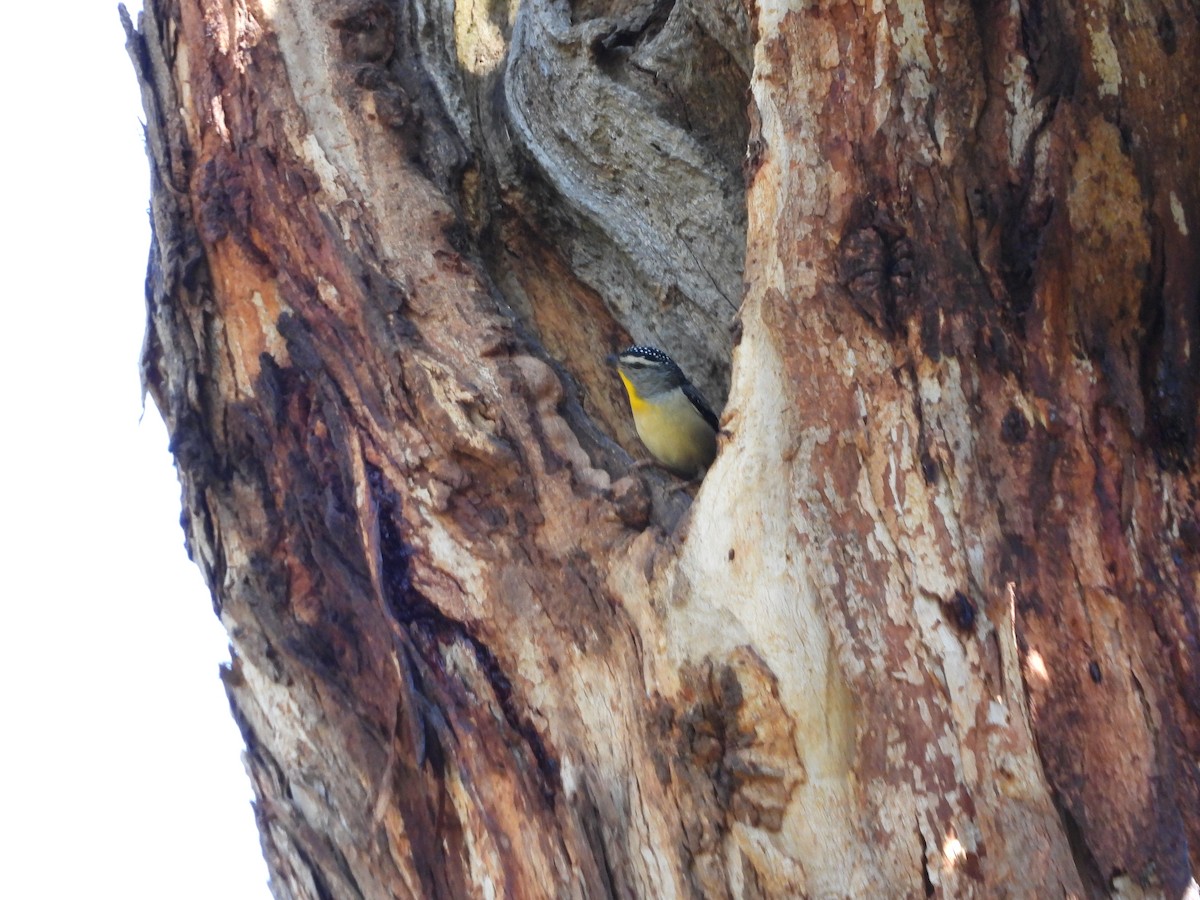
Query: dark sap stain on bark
(416, 612)
(930, 470)
(1041, 490)
(1014, 428)
(961, 611)
(1019, 564)
(1170, 318)
(1168, 37)
(1023, 225)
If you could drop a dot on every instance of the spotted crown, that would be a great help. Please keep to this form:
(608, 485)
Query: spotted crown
(646, 352)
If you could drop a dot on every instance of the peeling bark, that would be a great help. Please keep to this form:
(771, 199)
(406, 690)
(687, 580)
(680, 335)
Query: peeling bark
(930, 625)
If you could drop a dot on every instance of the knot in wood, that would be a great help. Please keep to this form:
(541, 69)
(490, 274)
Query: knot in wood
(738, 740)
(875, 266)
(367, 33)
(393, 107)
(223, 200)
(631, 501)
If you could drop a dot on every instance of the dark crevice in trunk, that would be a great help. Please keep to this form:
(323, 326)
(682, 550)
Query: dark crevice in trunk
(431, 626)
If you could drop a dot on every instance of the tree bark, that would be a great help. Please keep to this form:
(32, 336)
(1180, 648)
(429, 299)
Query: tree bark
(930, 625)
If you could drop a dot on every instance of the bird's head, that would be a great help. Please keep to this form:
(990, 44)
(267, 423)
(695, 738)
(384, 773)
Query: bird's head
(647, 371)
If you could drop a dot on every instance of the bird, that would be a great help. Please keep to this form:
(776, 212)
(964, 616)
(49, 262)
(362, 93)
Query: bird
(672, 418)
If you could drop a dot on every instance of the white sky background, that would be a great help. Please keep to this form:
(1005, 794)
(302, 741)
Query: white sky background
(122, 769)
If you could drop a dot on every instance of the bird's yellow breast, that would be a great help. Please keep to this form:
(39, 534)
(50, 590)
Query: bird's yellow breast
(673, 430)
(636, 403)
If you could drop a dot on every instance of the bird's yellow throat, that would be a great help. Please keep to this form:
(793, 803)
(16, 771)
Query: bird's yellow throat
(636, 403)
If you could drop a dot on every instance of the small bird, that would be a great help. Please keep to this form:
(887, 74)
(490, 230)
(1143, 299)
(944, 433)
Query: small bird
(672, 418)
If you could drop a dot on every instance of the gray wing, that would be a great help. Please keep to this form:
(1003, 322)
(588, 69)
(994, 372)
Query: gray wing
(701, 405)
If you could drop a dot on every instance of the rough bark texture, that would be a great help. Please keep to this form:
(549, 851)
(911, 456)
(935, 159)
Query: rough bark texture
(931, 624)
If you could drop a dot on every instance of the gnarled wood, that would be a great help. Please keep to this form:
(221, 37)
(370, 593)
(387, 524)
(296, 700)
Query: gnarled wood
(930, 625)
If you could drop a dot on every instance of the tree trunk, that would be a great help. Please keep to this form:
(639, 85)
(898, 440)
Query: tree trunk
(930, 626)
